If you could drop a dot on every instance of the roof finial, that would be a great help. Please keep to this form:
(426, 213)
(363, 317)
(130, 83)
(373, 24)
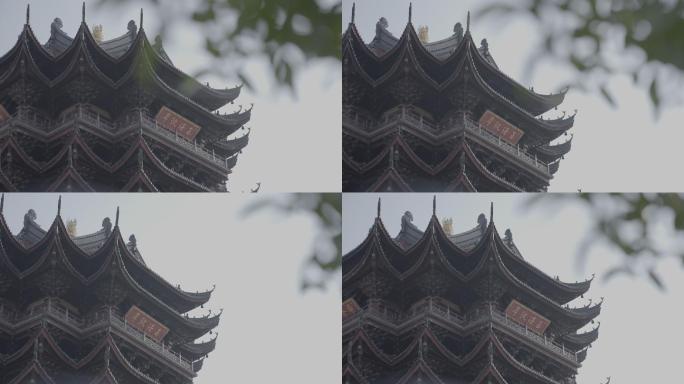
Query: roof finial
(59, 205)
(468, 23)
(141, 18)
(28, 13)
(410, 11)
(116, 221)
(491, 212)
(83, 13)
(353, 12)
(434, 205)
(379, 204)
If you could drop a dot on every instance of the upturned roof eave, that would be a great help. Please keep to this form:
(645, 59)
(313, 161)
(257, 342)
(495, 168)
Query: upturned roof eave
(212, 98)
(581, 340)
(550, 129)
(192, 299)
(197, 350)
(547, 129)
(194, 327)
(540, 102)
(575, 289)
(233, 146)
(85, 41)
(58, 229)
(221, 126)
(577, 316)
(581, 315)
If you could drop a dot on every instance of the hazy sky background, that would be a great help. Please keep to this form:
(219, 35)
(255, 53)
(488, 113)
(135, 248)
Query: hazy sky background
(614, 149)
(270, 332)
(641, 330)
(292, 138)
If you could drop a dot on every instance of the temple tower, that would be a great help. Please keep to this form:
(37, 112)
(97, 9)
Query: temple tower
(79, 113)
(88, 309)
(431, 307)
(441, 116)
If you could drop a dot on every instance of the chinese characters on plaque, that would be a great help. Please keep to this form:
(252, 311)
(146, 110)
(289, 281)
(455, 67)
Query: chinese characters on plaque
(174, 122)
(143, 322)
(527, 317)
(349, 307)
(4, 115)
(496, 125)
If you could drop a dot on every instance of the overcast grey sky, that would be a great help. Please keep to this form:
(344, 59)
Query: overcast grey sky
(270, 332)
(641, 332)
(621, 149)
(291, 140)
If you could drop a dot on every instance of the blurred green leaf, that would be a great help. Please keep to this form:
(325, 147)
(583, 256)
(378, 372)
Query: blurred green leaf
(327, 209)
(655, 28)
(612, 213)
(294, 31)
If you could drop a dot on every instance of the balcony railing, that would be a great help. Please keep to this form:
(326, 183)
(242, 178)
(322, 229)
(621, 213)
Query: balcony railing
(403, 114)
(103, 317)
(150, 124)
(447, 311)
(31, 117)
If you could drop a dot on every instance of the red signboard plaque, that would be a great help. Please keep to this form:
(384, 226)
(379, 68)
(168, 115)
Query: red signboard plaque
(174, 122)
(496, 124)
(527, 317)
(4, 115)
(145, 323)
(349, 308)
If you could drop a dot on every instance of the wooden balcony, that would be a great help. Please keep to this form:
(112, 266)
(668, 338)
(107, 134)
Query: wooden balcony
(53, 309)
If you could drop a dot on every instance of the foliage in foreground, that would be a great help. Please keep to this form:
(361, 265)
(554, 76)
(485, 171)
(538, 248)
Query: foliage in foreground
(604, 38)
(288, 33)
(643, 227)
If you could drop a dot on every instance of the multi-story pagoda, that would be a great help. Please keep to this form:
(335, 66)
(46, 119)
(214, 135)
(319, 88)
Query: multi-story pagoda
(441, 116)
(434, 307)
(82, 114)
(87, 309)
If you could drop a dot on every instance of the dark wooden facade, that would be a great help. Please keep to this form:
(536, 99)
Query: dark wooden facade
(87, 309)
(441, 116)
(433, 307)
(79, 114)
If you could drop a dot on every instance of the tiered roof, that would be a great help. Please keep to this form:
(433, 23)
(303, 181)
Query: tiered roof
(95, 278)
(399, 78)
(107, 82)
(431, 305)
